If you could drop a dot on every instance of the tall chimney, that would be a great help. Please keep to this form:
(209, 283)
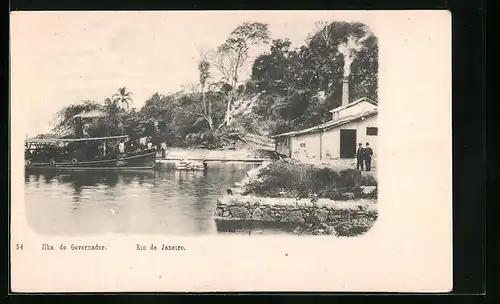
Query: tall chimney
(345, 91)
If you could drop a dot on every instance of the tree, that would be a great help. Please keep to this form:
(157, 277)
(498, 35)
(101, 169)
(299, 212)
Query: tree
(289, 88)
(65, 124)
(123, 97)
(114, 121)
(299, 86)
(204, 75)
(230, 57)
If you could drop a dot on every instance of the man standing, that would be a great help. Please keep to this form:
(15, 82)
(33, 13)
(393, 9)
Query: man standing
(121, 147)
(142, 142)
(360, 157)
(163, 149)
(368, 157)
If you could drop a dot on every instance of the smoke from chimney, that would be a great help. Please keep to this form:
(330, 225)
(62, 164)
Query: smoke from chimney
(345, 91)
(349, 50)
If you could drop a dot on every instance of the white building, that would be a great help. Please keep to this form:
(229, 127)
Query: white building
(351, 123)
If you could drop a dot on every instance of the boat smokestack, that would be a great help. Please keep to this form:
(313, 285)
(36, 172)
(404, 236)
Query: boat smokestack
(78, 127)
(345, 91)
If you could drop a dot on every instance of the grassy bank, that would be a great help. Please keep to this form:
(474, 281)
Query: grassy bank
(293, 179)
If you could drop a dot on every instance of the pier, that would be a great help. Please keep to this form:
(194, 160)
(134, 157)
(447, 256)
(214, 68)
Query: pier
(225, 160)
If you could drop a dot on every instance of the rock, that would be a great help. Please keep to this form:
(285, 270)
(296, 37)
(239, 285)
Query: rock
(238, 191)
(226, 213)
(330, 230)
(321, 215)
(318, 231)
(257, 214)
(219, 212)
(308, 204)
(334, 217)
(309, 218)
(294, 217)
(368, 189)
(297, 230)
(239, 212)
(348, 195)
(267, 217)
(324, 225)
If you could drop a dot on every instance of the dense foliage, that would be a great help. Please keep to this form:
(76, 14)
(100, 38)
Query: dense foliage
(289, 88)
(292, 179)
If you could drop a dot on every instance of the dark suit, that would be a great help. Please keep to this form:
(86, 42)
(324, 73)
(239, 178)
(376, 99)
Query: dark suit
(368, 158)
(360, 158)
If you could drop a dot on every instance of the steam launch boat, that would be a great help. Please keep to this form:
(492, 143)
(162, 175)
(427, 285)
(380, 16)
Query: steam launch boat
(97, 153)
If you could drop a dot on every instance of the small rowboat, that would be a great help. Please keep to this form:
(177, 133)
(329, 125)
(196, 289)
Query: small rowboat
(191, 165)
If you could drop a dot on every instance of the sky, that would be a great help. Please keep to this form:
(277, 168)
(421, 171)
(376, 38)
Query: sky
(60, 58)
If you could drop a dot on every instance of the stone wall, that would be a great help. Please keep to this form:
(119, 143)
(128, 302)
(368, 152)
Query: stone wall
(323, 216)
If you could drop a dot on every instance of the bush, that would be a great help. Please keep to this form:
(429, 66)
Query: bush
(290, 178)
(354, 227)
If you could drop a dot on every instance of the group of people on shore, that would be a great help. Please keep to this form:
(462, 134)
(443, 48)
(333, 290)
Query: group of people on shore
(364, 157)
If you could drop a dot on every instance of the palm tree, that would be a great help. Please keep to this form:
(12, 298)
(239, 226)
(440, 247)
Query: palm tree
(123, 97)
(114, 118)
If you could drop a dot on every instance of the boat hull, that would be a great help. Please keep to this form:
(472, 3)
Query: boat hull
(143, 160)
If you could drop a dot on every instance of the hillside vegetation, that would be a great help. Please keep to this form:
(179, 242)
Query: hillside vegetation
(288, 89)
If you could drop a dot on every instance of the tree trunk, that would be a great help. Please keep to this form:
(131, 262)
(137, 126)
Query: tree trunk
(203, 99)
(230, 97)
(210, 120)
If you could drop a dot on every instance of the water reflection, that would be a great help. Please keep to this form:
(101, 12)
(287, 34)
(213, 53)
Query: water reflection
(165, 202)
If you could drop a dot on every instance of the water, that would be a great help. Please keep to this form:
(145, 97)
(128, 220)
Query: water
(142, 202)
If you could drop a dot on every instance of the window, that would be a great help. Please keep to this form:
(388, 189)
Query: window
(371, 131)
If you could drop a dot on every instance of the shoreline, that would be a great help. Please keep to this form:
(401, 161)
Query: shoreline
(251, 205)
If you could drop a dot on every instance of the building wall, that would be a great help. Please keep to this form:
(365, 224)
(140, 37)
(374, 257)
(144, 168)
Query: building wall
(283, 145)
(324, 146)
(331, 144)
(360, 127)
(331, 138)
(306, 147)
(358, 108)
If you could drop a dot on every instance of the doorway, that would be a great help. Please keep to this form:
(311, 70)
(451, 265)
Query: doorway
(347, 143)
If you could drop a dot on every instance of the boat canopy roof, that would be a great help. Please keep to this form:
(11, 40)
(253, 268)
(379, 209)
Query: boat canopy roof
(90, 114)
(68, 140)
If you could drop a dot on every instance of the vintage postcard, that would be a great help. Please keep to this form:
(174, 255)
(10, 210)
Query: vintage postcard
(231, 151)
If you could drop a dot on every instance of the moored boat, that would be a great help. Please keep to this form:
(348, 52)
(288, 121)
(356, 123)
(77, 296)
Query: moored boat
(88, 153)
(75, 154)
